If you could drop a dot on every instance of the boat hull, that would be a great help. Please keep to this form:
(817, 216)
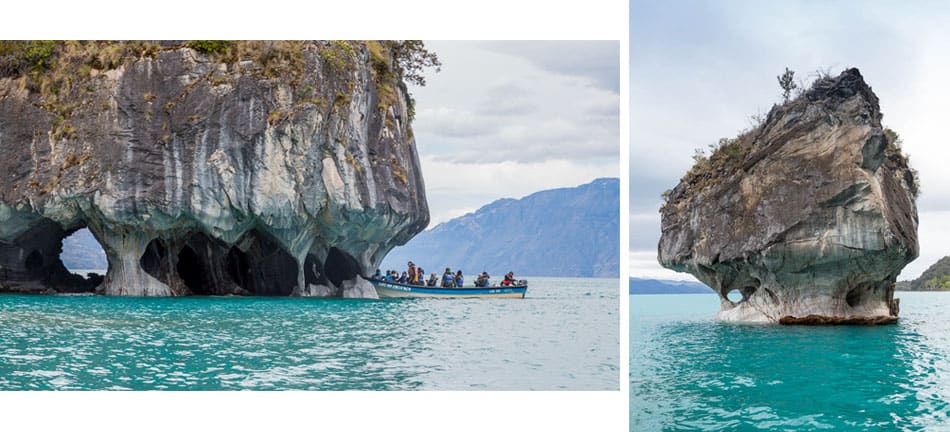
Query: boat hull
(387, 289)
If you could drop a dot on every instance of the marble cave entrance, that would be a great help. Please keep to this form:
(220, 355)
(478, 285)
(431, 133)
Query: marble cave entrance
(82, 254)
(200, 265)
(47, 258)
(340, 266)
(735, 296)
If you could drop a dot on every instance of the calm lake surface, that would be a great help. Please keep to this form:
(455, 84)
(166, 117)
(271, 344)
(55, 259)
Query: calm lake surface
(691, 372)
(563, 335)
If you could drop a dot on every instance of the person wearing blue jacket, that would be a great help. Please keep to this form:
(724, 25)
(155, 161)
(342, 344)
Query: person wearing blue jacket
(459, 280)
(448, 280)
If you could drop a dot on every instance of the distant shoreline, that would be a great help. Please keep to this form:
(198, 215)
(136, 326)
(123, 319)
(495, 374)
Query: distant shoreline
(83, 272)
(640, 286)
(922, 290)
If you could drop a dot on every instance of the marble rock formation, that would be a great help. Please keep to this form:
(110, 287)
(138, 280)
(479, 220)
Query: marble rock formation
(289, 169)
(810, 216)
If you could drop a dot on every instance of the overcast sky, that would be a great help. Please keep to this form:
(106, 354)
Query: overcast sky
(699, 69)
(507, 119)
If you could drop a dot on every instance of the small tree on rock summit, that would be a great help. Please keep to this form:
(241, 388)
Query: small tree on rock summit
(787, 82)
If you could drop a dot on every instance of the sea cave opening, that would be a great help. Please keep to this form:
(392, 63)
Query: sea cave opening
(254, 265)
(313, 271)
(34, 261)
(271, 270)
(192, 271)
(238, 266)
(340, 266)
(735, 295)
(81, 254)
(154, 258)
(262, 267)
(861, 293)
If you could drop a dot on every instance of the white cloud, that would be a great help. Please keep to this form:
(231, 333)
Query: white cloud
(491, 106)
(644, 231)
(449, 214)
(449, 123)
(596, 61)
(498, 123)
(934, 234)
(453, 187)
(643, 265)
(509, 99)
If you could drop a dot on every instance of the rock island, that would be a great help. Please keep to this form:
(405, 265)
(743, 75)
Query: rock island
(810, 215)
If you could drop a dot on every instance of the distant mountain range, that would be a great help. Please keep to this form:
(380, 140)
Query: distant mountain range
(82, 251)
(572, 232)
(655, 286)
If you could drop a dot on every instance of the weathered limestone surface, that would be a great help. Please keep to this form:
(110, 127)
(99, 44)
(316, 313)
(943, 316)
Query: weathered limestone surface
(811, 213)
(201, 177)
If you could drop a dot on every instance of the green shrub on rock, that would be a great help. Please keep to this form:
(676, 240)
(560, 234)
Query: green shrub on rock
(210, 46)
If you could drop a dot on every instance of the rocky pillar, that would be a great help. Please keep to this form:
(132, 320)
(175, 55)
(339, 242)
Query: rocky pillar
(124, 249)
(312, 280)
(359, 288)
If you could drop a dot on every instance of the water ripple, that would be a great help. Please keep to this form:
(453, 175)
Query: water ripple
(691, 372)
(554, 339)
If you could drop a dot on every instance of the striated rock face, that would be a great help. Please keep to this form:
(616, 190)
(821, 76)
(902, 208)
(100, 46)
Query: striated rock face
(204, 176)
(811, 213)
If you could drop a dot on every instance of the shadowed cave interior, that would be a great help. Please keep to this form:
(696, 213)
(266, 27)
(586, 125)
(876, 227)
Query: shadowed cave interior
(255, 265)
(31, 262)
(190, 264)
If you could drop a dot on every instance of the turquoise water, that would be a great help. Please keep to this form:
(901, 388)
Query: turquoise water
(690, 372)
(564, 335)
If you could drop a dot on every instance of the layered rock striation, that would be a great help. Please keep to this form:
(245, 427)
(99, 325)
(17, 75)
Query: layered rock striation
(274, 168)
(810, 216)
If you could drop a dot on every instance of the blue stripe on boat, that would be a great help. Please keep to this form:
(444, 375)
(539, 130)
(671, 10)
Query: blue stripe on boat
(439, 290)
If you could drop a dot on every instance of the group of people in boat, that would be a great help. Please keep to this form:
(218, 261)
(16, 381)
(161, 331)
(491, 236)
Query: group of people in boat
(415, 275)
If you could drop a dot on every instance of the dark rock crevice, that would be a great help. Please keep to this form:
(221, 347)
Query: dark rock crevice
(340, 266)
(270, 269)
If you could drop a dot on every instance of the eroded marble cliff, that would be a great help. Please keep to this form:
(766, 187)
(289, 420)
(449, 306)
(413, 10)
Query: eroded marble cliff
(812, 213)
(267, 168)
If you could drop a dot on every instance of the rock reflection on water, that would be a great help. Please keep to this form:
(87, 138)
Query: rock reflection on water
(691, 372)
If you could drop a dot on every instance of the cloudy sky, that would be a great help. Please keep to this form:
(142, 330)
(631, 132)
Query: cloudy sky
(699, 69)
(507, 119)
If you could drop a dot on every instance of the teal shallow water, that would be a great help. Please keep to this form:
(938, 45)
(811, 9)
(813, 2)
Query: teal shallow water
(564, 335)
(691, 372)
